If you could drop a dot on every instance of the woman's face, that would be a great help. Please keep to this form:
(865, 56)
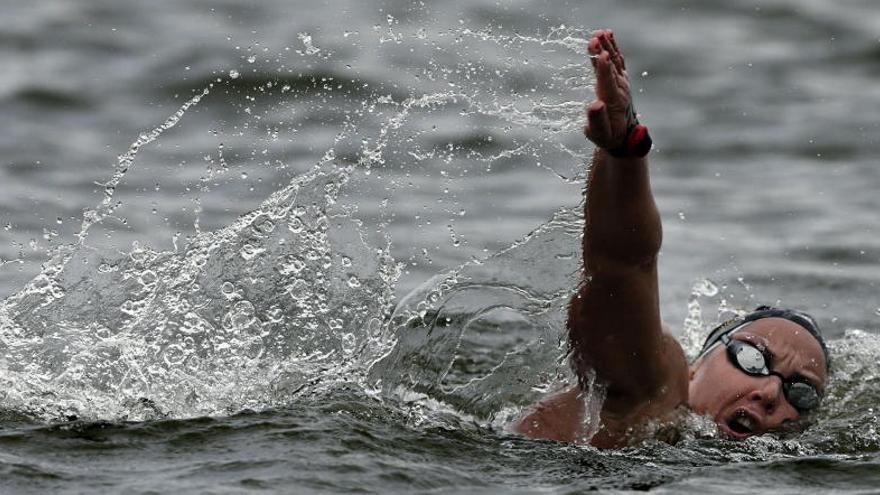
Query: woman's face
(744, 405)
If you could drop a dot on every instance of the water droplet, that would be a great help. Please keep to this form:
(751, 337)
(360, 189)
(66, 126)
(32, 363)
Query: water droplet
(346, 261)
(228, 289)
(292, 265)
(295, 225)
(233, 74)
(242, 316)
(148, 277)
(249, 251)
(138, 256)
(348, 343)
(174, 355)
(253, 347)
(263, 225)
(705, 288)
(433, 297)
(456, 242)
(353, 282)
(252, 59)
(299, 290)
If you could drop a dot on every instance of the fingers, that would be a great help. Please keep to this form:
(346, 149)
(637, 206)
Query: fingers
(598, 126)
(603, 41)
(606, 83)
(607, 116)
(608, 44)
(594, 48)
(616, 54)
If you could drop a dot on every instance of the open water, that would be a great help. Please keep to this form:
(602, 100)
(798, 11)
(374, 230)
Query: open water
(325, 247)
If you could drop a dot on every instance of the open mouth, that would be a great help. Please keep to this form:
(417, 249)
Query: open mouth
(742, 424)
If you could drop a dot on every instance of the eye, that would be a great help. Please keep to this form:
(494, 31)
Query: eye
(751, 359)
(765, 351)
(802, 395)
(797, 377)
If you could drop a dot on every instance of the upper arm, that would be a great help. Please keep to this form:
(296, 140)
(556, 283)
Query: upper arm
(615, 329)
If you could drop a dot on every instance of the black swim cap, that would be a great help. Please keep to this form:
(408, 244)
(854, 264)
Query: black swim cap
(804, 320)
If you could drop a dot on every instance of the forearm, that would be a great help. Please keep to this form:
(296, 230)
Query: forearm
(622, 225)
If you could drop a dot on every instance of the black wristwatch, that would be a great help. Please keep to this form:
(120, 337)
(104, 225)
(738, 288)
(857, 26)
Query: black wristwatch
(637, 142)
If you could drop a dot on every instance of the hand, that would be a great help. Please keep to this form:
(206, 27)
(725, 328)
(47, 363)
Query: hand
(611, 115)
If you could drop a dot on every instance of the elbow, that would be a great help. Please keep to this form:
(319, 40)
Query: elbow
(620, 266)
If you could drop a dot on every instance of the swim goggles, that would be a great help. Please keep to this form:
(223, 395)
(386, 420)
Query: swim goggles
(752, 360)
(803, 319)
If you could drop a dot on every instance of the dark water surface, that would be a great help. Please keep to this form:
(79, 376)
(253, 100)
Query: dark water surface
(271, 188)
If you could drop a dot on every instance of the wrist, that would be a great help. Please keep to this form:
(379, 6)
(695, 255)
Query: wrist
(636, 144)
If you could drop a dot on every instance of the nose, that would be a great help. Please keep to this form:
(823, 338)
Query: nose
(768, 393)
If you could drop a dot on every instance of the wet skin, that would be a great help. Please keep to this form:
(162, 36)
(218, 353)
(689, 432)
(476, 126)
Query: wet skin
(614, 324)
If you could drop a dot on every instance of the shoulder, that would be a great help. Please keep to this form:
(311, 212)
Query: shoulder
(566, 416)
(663, 374)
(625, 413)
(558, 417)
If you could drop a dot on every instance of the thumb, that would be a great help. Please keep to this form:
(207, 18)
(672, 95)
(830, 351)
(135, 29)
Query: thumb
(598, 126)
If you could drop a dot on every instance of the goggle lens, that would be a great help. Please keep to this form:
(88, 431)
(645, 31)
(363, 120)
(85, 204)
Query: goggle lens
(750, 359)
(802, 396)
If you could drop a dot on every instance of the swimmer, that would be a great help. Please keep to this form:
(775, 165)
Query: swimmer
(755, 373)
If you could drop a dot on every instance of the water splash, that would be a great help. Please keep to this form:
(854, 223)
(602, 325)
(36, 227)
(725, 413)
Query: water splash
(489, 335)
(295, 298)
(290, 296)
(125, 161)
(207, 330)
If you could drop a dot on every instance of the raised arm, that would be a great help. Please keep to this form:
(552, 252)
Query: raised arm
(614, 319)
(614, 323)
